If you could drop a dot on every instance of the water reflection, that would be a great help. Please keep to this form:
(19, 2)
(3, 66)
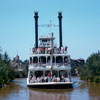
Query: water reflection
(18, 90)
(64, 94)
(94, 91)
(50, 95)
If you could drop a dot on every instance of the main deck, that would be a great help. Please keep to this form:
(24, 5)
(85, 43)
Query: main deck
(51, 85)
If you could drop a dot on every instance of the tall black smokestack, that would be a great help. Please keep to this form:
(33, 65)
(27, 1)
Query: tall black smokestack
(60, 28)
(36, 29)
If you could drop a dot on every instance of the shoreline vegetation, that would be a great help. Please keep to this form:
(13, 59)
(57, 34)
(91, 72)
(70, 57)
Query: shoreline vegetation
(90, 70)
(7, 71)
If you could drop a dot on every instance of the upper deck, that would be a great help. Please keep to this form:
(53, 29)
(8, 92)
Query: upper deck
(45, 47)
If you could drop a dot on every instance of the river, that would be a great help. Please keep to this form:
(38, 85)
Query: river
(18, 90)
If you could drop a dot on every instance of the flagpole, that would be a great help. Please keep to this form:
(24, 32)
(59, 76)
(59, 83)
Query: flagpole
(51, 54)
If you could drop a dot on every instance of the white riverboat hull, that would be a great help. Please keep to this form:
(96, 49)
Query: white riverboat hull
(51, 85)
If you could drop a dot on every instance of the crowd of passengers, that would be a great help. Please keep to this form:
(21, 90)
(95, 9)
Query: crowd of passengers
(48, 79)
(56, 50)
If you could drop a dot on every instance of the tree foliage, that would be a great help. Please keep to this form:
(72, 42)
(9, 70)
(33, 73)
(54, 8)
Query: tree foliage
(91, 72)
(6, 71)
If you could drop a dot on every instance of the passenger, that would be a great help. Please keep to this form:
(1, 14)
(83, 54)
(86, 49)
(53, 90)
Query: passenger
(54, 79)
(65, 49)
(49, 74)
(38, 79)
(30, 77)
(62, 78)
(33, 50)
(62, 49)
(41, 79)
(58, 79)
(45, 78)
(35, 81)
(49, 79)
(32, 80)
(67, 80)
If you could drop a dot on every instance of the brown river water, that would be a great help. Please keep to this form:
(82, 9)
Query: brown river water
(18, 90)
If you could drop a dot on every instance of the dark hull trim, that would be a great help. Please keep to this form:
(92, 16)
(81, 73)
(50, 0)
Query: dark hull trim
(52, 86)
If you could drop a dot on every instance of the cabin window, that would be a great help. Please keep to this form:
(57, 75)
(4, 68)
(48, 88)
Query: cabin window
(35, 60)
(48, 59)
(42, 59)
(55, 73)
(63, 73)
(65, 59)
(53, 59)
(38, 73)
(31, 74)
(47, 72)
(44, 40)
(59, 59)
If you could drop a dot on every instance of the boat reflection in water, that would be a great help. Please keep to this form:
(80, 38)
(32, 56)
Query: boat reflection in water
(37, 94)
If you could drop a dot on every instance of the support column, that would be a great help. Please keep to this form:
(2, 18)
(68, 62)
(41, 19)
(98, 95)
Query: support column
(55, 60)
(46, 60)
(32, 59)
(63, 60)
(38, 61)
(43, 73)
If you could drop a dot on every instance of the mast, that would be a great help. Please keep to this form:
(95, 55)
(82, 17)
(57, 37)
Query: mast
(51, 54)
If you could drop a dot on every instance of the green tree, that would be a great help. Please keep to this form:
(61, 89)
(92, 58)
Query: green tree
(91, 71)
(6, 71)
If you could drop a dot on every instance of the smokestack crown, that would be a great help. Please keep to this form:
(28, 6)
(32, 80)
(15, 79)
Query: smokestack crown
(36, 15)
(60, 15)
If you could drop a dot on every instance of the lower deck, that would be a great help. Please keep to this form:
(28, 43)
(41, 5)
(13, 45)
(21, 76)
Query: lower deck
(51, 85)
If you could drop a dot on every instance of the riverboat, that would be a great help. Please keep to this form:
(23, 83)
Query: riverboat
(49, 66)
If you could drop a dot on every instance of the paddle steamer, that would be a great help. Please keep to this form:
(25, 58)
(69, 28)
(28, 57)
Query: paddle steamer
(49, 65)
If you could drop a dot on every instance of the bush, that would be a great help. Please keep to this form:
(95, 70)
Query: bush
(97, 79)
(91, 79)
